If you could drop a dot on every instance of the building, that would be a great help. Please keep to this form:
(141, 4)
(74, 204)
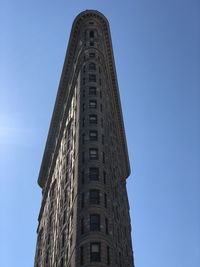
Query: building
(84, 217)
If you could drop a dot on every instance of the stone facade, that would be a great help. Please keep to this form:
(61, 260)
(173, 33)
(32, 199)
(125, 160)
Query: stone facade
(84, 218)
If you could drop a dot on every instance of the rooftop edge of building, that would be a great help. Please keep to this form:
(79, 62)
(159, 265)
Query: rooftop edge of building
(90, 11)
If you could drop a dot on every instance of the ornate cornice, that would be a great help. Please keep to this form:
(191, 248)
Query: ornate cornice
(64, 91)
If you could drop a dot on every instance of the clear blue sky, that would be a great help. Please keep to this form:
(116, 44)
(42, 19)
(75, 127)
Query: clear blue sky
(157, 53)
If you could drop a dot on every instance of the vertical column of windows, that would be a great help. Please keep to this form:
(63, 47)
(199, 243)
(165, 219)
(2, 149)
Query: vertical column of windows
(69, 188)
(94, 194)
(83, 142)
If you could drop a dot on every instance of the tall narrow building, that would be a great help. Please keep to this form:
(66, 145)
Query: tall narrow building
(84, 217)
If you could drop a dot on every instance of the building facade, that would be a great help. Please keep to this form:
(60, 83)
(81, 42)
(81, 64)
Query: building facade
(84, 217)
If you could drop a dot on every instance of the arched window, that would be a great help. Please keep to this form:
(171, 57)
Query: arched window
(92, 66)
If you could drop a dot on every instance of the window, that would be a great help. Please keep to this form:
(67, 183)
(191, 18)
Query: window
(94, 222)
(92, 55)
(67, 254)
(108, 255)
(99, 81)
(127, 252)
(83, 122)
(81, 256)
(94, 174)
(102, 122)
(95, 252)
(106, 224)
(82, 200)
(92, 90)
(83, 106)
(82, 226)
(105, 200)
(120, 260)
(65, 196)
(92, 104)
(84, 69)
(93, 153)
(92, 66)
(103, 155)
(63, 240)
(49, 238)
(47, 257)
(102, 139)
(93, 135)
(91, 34)
(101, 107)
(62, 263)
(83, 81)
(91, 43)
(68, 144)
(92, 78)
(68, 229)
(94, 196)
(93, 119)
(64, 217)
(104, 177)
